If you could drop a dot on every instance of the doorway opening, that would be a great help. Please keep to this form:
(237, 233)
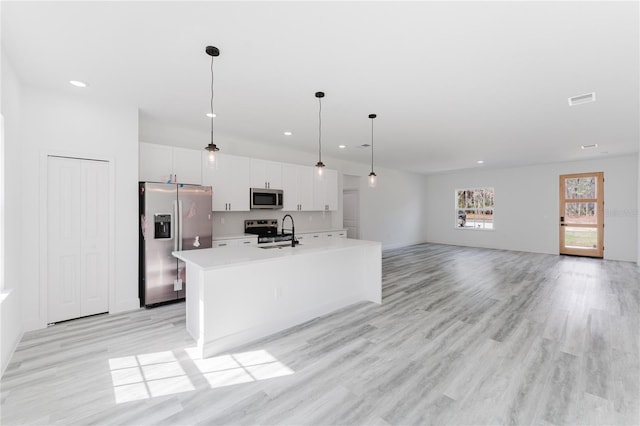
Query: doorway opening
(582, 214)
(351, 206)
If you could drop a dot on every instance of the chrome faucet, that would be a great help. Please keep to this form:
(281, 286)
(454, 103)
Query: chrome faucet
(293, 230)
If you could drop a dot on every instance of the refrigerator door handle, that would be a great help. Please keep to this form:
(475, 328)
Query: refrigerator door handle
(180, 225)
(174, 221)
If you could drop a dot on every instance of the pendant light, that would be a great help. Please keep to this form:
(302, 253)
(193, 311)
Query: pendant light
(212, 148)
(372, 175)
(319, 164)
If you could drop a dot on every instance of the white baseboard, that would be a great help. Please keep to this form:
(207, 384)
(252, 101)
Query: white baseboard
(125, 306)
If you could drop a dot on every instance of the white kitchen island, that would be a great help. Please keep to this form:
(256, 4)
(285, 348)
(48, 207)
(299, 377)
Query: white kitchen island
(239, 294)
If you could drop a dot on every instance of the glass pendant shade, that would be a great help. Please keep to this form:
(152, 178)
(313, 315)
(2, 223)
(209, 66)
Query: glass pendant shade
(373, 180)
(212, 158)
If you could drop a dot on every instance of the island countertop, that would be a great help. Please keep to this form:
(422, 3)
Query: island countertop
(238, 294)
(217, 257)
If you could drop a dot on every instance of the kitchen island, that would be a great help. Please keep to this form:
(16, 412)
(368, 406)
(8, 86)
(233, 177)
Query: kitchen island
(239, 294)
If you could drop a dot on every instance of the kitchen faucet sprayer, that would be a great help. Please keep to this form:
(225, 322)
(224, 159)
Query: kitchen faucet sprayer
(293, 230)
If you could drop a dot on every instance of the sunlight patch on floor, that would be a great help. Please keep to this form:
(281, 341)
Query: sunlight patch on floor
(243, 367)
(146, 376)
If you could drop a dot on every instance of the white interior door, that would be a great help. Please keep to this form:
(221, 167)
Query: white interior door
(351, 212)
(78, 238)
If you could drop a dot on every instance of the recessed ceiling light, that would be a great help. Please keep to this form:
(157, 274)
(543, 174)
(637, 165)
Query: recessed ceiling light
(288, 133)
(592, 146)
(480, 161)
(210, 115)
(78, 83)
(342, 146)
(582, 99)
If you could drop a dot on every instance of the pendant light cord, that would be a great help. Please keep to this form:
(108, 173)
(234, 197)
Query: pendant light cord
(372, 145)
(320, 131)
(211, 99)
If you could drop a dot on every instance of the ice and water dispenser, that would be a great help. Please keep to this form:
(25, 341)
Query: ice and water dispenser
(162, 226)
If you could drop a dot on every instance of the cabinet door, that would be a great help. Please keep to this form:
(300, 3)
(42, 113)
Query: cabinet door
(266, 174)
(230, 181)
(214, 177)
(325, 192)
(305, 187)
(297, 184)
(155, 163)
(238, 177)
(187, 165)
(290, 187)
(224, 243)
(331, 190)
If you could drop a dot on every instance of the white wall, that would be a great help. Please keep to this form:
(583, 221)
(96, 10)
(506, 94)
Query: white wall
(392, 213)
(527, 206)
(72, 123)
(10, 302)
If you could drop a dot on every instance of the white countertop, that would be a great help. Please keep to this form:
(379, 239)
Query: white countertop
(221, 257)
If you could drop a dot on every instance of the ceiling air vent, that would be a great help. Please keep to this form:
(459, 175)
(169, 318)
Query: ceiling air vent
(582, 99)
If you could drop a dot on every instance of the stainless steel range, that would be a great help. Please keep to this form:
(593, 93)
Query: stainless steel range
(266, 230)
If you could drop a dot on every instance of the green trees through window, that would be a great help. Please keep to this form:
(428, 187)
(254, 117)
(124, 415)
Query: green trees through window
(474, 208)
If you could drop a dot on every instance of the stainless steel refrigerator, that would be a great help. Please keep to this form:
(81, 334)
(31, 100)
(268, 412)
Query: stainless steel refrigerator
(172, 217)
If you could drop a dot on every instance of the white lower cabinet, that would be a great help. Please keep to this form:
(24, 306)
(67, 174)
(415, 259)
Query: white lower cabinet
(250, 241)
(341, 233)
(336, 234)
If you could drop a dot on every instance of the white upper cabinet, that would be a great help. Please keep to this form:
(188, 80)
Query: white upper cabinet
(230, 181)
(297, 184)
(187, 165)
(155, 163)
(266, 174)
(162, 163)
(325, 191)
(234, 175)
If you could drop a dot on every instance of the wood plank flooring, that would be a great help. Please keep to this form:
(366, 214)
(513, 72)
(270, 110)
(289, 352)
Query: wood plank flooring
(464, 336)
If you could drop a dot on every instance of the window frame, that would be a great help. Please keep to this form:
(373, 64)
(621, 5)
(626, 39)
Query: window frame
(477, 208)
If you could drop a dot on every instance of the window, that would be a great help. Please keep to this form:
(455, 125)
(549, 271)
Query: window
(474, 208)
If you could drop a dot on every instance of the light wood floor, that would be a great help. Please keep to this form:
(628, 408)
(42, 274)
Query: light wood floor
(464, 337)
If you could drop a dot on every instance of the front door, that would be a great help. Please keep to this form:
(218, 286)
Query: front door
(582, 214)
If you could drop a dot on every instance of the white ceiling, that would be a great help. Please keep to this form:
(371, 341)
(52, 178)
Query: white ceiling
(451, 82)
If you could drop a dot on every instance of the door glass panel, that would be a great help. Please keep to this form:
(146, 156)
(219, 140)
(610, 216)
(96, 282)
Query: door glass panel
(582, 187)
(581, 237)
(580, 213)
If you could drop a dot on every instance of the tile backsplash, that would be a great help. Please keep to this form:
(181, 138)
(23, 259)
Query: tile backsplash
(232, 223)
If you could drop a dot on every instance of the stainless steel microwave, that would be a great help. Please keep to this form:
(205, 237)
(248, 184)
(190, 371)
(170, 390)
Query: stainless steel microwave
(262, 198)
